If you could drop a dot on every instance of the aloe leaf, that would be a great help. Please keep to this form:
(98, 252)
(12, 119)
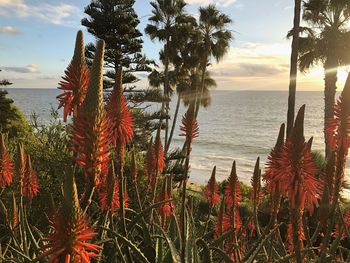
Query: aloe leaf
(21, 254)
(207, 256)
(253, 253)
(174, 229)
(12, 260)
(136, 251)
(222, 253)
(29, 231)
(222, 238)
(119, 251)
(159, 250)
(190, 242)
(141, 215)
(3, 211)
(174, 253)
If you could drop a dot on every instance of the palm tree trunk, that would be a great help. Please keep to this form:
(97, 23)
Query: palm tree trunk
(198, 101)
(166, 89)
(173, 125)
(331, 72)
(293, 68)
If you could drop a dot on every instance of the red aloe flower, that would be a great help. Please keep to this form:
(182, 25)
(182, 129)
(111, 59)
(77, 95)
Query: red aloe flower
(109, 193)
(119, 114)
(231, 218)
(75, 81)
(29, 182)
(155, 159)
(218, 229)
(256, 194)
(91, 134)
(232, 190)
(297, 169)
(338, 131)
(226, 222)
(189, 125)
(6, 164)
(13, 221)
(158, 154)
(211, 192)
(338, 134)
(271, 171)
(228, 219)
(296, 179)
(148, 166)
(273, 165)
(71, 231)
(166, 209)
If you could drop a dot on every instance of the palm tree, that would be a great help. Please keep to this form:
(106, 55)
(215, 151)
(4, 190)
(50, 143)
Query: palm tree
(214, 40)
(293, 67)
(327, 41)
(165, 22)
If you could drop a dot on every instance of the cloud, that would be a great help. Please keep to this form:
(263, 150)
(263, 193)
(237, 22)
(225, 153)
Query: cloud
(247, 70)
(58, 14)
(251, 65)
(48, 77)
(9, 30)
(10, 2)
(253, 60)
(264, 66)
(224, 3)
(32, 68)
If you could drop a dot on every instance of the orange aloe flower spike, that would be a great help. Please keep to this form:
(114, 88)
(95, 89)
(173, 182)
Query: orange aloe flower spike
(189, 125)
(75, 81)
(158, 153)
(271, 170)
(232, 189)
(296, 180)
(218, 229)
(71, 230)
(6, 164)
(119, 114)
(272, 165)
(338, 131)
(30, 187)
(256, 183)
(338, 134)
(233, 197)
(91, 136)
(297, 169)
(165, 209)
(211, 192)
(108, 192)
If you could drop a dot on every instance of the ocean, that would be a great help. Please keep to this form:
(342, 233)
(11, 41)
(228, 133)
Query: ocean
(238, 125)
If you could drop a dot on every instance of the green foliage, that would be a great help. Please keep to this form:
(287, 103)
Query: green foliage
(50, 157)
(12, 120)
(115, 21)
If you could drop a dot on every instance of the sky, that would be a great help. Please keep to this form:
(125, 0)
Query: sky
(37, 42)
